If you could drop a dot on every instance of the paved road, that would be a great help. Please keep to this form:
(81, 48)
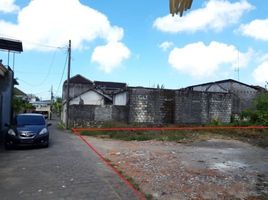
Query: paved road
(66, 170)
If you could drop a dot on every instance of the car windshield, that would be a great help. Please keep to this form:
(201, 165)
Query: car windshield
(22, 120)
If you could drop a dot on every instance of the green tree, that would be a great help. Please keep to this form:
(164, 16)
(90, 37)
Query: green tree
(19, 105)
(258, 114)
(57, 105)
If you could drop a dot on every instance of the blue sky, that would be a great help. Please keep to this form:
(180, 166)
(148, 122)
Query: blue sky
(136, 42)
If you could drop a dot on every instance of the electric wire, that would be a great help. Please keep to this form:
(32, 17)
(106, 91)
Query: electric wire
(65, 64)
(44, 45)
(49, 70)
(35, 43)
(47, 74)
(51, 63)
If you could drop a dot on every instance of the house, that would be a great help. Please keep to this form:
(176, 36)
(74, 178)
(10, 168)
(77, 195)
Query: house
(6, 87)
(120, 98)
(91, 97)
(20, 94)
(77, 84)
(85, 92)
(110, 88)
(43, 107)
(197, 104)
(242, 94)
(32, 98)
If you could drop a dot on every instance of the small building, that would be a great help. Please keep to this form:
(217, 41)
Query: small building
(91, 97)
(242, 94)
(6, 88)
(77, 84)
(82, 91)
(120, 98)
(43, 107)
(110, 88)
(198, 104)
(20, 94)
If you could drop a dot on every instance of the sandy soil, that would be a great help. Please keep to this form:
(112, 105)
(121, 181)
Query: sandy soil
(211, 169)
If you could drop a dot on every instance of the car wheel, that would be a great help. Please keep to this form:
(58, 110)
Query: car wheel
(46, 144)
(8, 146)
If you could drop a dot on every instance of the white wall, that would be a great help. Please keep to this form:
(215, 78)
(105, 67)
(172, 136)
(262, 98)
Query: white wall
(120, 99)
(63, 113)
(89, 98)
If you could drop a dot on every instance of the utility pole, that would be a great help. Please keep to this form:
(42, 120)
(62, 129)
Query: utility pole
(68, 85)
(51, 94)
(51, 102)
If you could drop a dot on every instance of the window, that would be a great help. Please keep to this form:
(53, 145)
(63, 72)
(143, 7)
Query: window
(22, 120)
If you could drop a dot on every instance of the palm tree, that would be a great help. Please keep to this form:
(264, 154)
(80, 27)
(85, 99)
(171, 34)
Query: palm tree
(179, 6)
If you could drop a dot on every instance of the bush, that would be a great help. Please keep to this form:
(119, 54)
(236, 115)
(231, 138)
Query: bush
(259, 114)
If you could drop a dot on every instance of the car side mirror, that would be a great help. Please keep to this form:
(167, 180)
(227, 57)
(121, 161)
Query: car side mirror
(6, 125)
(49, 124)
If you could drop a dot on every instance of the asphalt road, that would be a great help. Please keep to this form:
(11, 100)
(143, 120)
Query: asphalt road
(66, 170)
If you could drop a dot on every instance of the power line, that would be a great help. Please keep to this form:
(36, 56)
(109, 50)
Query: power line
(62, 74)
(44, 45)
(37, 43)
(47, 74)
(49, 70)
(27, 83)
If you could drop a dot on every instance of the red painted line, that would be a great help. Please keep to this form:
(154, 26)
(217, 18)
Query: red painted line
(168, 128)
(124, 179)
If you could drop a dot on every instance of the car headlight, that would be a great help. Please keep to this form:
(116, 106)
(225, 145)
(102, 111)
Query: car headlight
(11, 132)
(43, 131)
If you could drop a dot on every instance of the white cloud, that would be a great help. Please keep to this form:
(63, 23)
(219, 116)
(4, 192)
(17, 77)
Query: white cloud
(260, 73)
(257, 29)
(54, 22)
(203, 61)
(111, 55)
(166, 45)
(215, 15)
(8, 6)
(260, 57)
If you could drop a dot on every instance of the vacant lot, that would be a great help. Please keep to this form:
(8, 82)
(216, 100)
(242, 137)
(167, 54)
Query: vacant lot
(207, 168)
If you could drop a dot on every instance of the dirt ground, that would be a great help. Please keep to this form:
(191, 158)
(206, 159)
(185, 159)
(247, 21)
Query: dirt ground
(210, 169)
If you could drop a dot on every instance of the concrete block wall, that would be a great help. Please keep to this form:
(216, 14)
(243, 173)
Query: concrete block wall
(90, 115)
(141, 109)
(190, 107)
(220, 107)
(158, 106)
(148, 105)
(243, 97)
(194, 107)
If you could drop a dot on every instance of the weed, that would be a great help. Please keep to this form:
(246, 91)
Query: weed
(61, 125)
(149, 196)
(255, 137)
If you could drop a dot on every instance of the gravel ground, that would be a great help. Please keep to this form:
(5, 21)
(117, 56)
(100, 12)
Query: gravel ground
(211, 169)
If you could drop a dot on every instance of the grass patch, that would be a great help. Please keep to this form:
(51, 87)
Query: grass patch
(256, 137)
